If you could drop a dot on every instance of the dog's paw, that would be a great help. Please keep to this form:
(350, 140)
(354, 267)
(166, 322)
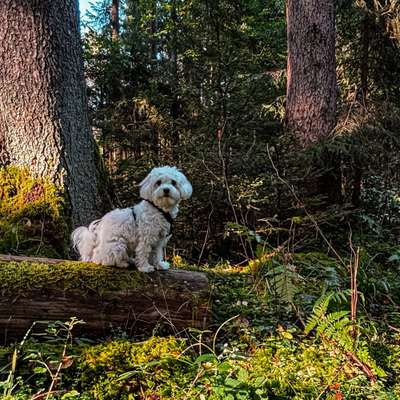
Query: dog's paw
(146, 268)
(163, 265)
(122, 264)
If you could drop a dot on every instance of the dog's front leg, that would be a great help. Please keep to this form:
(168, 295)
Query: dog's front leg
(159, 255)
(142, 256)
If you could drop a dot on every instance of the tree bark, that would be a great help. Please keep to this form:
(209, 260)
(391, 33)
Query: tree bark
(364, 59)
(153, 30)
(311, 69)
(312, 90)
(176, 106)
(43, 105)
(115, 19)
(126, 299)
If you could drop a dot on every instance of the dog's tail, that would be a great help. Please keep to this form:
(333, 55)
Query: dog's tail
(84, 240)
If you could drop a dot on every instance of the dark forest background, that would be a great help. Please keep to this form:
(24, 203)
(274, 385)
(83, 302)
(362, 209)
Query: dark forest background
(201, 85)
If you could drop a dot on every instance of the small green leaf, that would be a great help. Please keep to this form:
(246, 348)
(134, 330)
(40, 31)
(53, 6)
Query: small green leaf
(40, 370)
(259, 381)
(127, 375)
(208, 357)
(287, 335)
(70, 395)
(232, 382)
(243, 375)
(224, 367)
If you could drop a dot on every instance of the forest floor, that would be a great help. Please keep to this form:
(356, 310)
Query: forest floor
(281, 328)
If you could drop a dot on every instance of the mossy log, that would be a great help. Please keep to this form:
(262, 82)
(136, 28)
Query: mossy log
(105, 298)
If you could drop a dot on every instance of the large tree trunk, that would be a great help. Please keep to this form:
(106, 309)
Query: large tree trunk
(311, 69)
(43, 110)
(312, 89)
(105, 298)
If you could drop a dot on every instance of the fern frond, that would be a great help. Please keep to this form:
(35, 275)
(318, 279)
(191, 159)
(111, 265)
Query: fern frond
(338, 328)
(319, 310)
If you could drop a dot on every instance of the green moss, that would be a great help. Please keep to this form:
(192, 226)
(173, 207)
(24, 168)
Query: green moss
(24, 276)
(307, 369)
(150, 367)
(31, 217)
(312, 369)
(23, 195)
(283, 367)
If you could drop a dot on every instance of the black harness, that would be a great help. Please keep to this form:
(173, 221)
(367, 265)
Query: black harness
(166, 215)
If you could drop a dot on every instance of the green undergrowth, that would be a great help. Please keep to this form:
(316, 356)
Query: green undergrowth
(280, 329)
(286, 366)
(20, 277)
(31, 220)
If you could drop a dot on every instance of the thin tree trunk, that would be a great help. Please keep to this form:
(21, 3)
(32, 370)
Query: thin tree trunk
(176, 106)
(153, 29)
(43, 106)
(311, 69)
(364, 59)
(115, 19)
(115, 86)
(153, 32)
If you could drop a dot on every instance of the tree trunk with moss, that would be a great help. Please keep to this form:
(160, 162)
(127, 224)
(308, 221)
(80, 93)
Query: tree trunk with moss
(43, 111)
(105, 298)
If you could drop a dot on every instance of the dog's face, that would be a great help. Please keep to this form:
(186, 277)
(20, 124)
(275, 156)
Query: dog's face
(165, 187)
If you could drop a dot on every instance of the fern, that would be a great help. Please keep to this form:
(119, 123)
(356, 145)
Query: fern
(284, 282)
(336, 327)
(319, 310)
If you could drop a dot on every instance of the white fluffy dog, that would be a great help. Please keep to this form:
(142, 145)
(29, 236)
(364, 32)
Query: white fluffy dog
(142, 231)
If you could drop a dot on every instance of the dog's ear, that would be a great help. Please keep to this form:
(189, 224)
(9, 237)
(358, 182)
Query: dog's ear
(185, 187)
(146, 187)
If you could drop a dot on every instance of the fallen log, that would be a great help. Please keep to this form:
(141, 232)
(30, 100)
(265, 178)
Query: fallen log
(105, 298)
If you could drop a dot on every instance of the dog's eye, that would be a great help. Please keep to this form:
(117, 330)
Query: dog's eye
(173, 183)
(158, 183)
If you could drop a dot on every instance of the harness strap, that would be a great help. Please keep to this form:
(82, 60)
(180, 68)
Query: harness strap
(166, 215)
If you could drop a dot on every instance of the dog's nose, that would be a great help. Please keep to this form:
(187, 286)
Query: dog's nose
(166, 191)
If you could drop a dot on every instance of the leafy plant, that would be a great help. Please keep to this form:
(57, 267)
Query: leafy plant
(337, 328)
(44, 366)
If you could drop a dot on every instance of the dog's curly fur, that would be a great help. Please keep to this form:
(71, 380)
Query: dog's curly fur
(140, 232)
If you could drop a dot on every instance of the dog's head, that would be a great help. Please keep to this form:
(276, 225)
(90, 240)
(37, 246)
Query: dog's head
(165, 187)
